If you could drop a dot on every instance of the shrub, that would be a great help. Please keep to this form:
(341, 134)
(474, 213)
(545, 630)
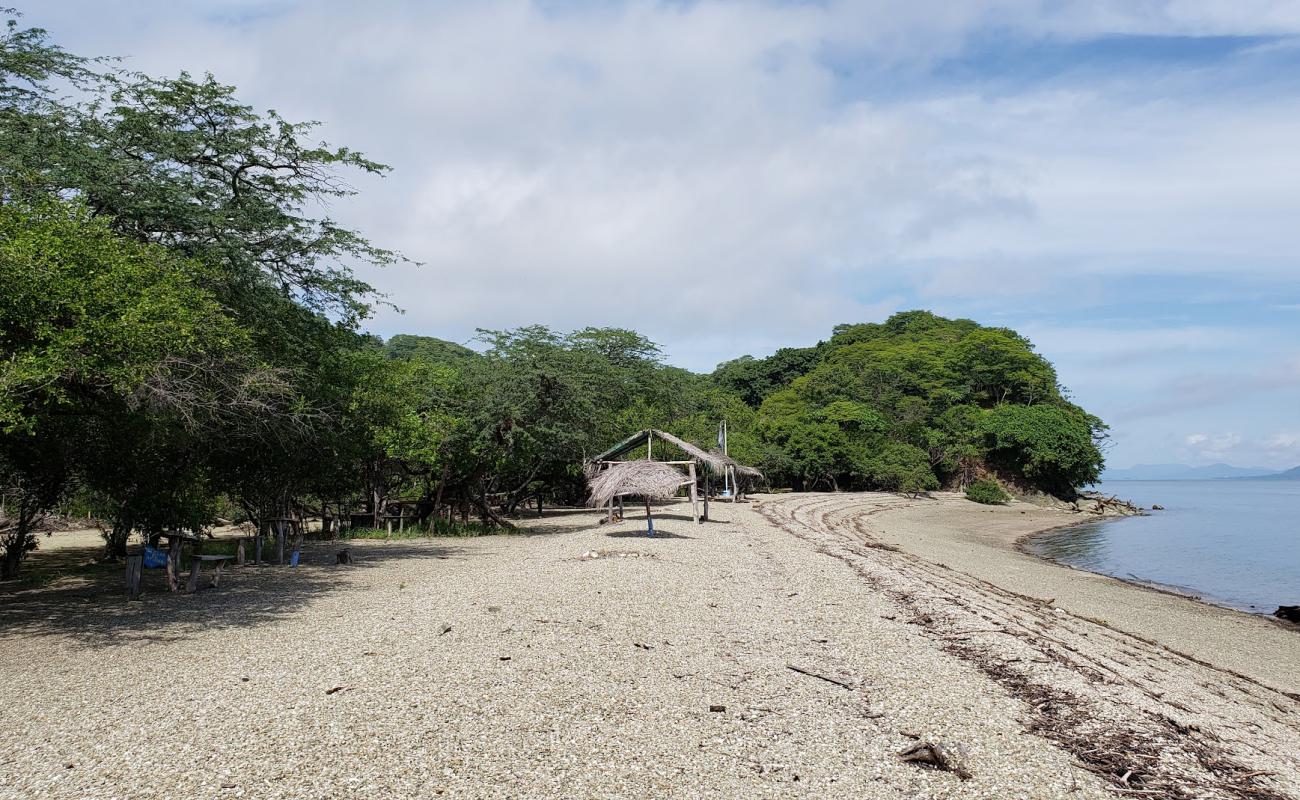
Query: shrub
(988, 492)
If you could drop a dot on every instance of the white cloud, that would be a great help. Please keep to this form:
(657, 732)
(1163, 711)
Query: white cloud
(729, 177)
(551, 164)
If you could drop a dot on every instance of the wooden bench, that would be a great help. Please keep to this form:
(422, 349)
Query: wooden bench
(196, 568)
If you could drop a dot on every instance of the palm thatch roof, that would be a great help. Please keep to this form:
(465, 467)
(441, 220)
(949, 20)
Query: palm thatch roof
(642, 478)
(714, 462)
(739, 468)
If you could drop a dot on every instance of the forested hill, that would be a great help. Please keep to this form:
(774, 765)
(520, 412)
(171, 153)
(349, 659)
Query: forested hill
(914, 403)
(917, 402)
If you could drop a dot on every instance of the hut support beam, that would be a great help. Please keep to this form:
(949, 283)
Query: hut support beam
(649, 520)
(695, 513)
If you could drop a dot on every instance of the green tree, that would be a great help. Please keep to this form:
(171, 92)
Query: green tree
(1051, 446)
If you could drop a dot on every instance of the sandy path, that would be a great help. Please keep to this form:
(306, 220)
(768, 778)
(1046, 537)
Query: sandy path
(568, 676)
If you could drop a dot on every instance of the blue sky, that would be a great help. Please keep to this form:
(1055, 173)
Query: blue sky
(1116, 179)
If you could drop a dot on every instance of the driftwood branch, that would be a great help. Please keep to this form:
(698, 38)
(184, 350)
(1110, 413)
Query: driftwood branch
(812, 674)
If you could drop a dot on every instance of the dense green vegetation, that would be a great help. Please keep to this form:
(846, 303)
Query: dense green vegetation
(917, 402)
(987, 492)
(181, 338)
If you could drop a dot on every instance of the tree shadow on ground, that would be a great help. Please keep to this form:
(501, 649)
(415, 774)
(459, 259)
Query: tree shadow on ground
(96, 613)
(550, 528)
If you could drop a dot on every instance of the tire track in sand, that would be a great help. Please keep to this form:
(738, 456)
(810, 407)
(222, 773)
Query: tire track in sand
(1153, 722)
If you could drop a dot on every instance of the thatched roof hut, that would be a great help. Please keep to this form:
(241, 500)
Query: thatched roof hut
(714, 462)
(648, 479)
(610, 478)
(738, 468)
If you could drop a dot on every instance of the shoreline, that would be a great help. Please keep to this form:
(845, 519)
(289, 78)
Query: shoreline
(986, 543)
(1023, 545)
(1109, 670)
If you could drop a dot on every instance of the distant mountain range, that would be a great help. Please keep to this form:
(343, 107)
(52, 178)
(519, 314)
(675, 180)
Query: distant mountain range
(1292, 474)
(1182, 472)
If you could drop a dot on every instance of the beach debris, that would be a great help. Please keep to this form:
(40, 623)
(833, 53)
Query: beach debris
(812, 674)
(343, 556)
(938, 755)
(716, 708)
(643, 646)
(445, 629)
(1104, 506)
(591, 555)
(1288, 613)
(335, 689)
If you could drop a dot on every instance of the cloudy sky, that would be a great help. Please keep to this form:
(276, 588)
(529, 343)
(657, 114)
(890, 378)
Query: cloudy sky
(1119, 180)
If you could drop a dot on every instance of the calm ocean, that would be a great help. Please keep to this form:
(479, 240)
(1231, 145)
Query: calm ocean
(1235, 543)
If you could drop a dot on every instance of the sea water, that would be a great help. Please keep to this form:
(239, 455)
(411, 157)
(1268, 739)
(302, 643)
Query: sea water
(1231, 542)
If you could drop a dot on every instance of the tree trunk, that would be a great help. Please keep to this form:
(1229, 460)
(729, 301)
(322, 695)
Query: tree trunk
(116, 539)
(16, 543)
(490, 516)
(437, 498)
(13, 558)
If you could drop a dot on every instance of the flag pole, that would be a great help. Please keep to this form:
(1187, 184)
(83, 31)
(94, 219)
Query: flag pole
(726, 471)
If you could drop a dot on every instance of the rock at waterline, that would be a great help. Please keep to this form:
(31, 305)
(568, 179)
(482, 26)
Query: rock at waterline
(1288, 613)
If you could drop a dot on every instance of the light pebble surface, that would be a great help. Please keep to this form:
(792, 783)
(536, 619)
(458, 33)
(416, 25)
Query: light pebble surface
(581, 661)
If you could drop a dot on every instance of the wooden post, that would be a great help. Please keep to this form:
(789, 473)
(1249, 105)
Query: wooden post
(239, 551)
(705, 518)
(174, 564)
(621, 513)
(649, 520)
(695, 513)
(279, 541)
(649, 446)
(539, 504)
(735, 487)
(134, 565)
(257, 547)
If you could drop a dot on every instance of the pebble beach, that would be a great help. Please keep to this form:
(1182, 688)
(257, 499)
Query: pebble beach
(791, 647)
